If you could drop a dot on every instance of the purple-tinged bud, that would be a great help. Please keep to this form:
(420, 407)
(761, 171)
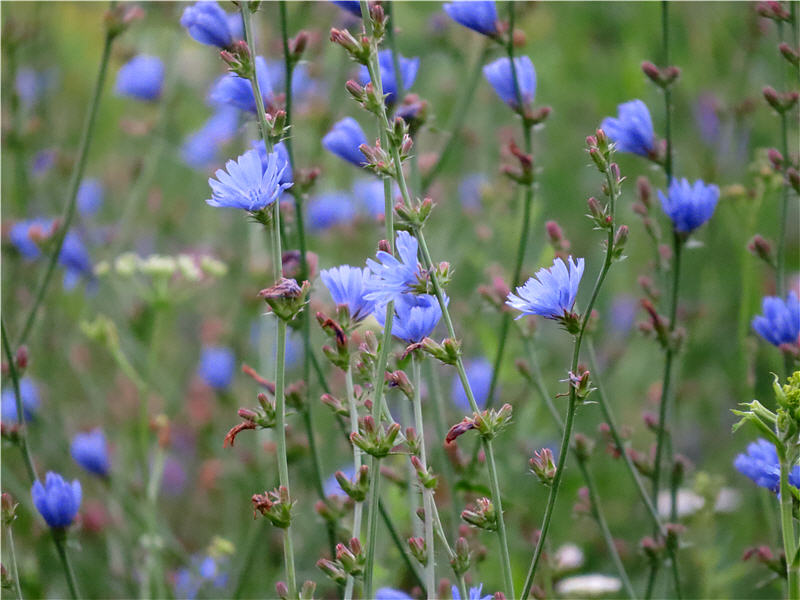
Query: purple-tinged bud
(789, 53)
(298, 44)
(355, 89)
(282, 590)
(332, 570)
(781, 102)
(651, 71)
(650, 420)
(543, 466)
(644, 191)
(761, 248)
(584, 446)
(418, 549)
(21, 359)
(775, 158)
(774, 10)
(793, 176)
(247, 414)
(651, 548)
(463, 557)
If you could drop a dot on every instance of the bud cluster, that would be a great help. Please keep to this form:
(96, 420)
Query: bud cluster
(489, 423)
(275, 505)
(375, 439)
(481, 514)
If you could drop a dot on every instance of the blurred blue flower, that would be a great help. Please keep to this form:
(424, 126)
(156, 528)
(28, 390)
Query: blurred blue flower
(689, 206)
(233, 90)
(369, 196)
(200, 148)
(761, 464)
(217, 365)
(393, 277)
(622, 314)
(479, 375)
(347, 285)
(474, 593)
(202, 571)
(344, 139)
(29, 395)
(391, 594)
(331, 486)
(235, 25)
(408, 70)
(551, 292)
(174, 479)
(478, 15)
(705, 111)
(780, 323)
(330, 209)
(415, 317)
(90, 450)
(351, 6)
(632, 131)
(207, 23)
(57, 501)
(141, 78)
(90, 197)
(23, 236)
(42, 162)
(304, 86)
(499, 75)
(283, 159)
(29, 85)
(470, 191)
(75, 259)
(247, 184)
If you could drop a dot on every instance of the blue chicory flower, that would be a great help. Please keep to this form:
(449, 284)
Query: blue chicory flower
(202, 571)
(57, 501)
(347, 286)
(283, 159)
(247, 184)
(780, 323)
(478, 15)
(75, 259)
(331, 209)
(42, 162)
(632, 131)
(351, 6)
(331, 486)
(90, 197)
(689, 206)
(200, 148)
(344, 140)
(408, 71)
(499, 75)
(29, 395)
(90, 450)
(232, 90)
(216, 367)
(551, 292)
(23, 236)
(393, 277)
(470, 191)
(479, 375)
(369, 196)
(141, 78)
(474, 593)
(415, 316)
(207, 23)
(391, 594)
(760, 463)
(29, 85)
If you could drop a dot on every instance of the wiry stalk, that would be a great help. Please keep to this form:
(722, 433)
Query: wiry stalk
(359, 506)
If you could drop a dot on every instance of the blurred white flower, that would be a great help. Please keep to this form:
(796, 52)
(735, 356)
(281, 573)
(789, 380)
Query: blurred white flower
(592, 585)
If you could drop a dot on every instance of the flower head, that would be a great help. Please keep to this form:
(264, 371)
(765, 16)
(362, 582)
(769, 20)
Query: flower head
(24, 234)
(392, 277)
(479, 375)
(408, 72)
(75, 259)
(283, 159)
(90, 450)
(29, 395)
(248, 185)
(141, 78)
(232, 90)
(216, 367)
(344, 140)
(57, 501)
(501, 78)
(330, 209)
(391, 594)
(207, 23)
(689, 206)
(760, 463)
(478, 15)
(90, 197)
(551, 292)
(415, 317)
(347, 286)
(632, 131)
(474, 593)
(780, 323)
(200, 148)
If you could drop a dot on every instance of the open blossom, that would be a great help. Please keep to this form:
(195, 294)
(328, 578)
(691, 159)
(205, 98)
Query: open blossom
(393, 277)
(57, 500)
(141, 78)
(501, 78)
(347, 286)
(217, 365)
(248, 185)
(207, 23)
(90, 450)
(344, 140)
(760, 463)
(29, 395)
(551, 292)
(780, 323)
(478, 15)
(632, 131)
(232, 90)
(408, 72)
(474, 593)
(479, 375)
(283, 159)
(415, 317)
(689, 206)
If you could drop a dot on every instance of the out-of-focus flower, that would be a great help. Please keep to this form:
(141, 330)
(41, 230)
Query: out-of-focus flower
(203, 571)
(216, 367)
(760, 463)
(687, 503)
(141, 78)
(415, 317)
(499, 75)
(588, 586)
(90, 450)
(390, 593)
(474, 593)
(90, 197)
(347, 286)
(632, 131)
(24, 234)
(174, 478)
(331, 487)
(393, 277)
(369, 195)
(75, 259)
(470, 191)
(780, 323)
(283, 159)
(551, 292)
(42, 162)
(351, 6)
(208, 24)
(408, 71)
(31, 84)
(622, 314)
(200, 148)
(569, 557)
(478, 15)
(706, 116)
(29, 395)
(57, 501)
(329, 210)
(479, 375)
(247, 185)
(344, 139)
(689, 206)
(232, 90)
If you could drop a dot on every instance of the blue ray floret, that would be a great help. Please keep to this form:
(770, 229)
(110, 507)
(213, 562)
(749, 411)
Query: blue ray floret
(247, 184)
(474, 593)
(478, 15)
(551, 292)
(393, 277)
(344, 140)
(283, 159)
(689, 206)
(780, 321)
(347, 286)
(760, 463)
(57, 500)
(208, 24)
(632, 130)
(415, 317)
(501, 78)
(408, 71)
(141, 78)
(90, 450)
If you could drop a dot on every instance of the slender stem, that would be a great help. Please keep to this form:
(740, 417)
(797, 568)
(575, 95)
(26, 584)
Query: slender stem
(153, 582)
(13, 554)
(787, 530)
(784, 216)
(72, 193)
(23, 432)
(59, 537)
(359, 506)
(462, 586)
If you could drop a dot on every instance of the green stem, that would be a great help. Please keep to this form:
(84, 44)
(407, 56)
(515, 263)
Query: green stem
(359, 506)
(59, 537)
(153, 582)
(784, 216)
(787, 530)
(23, 432)
(13, 554)
(72, 193)
(437, 522)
